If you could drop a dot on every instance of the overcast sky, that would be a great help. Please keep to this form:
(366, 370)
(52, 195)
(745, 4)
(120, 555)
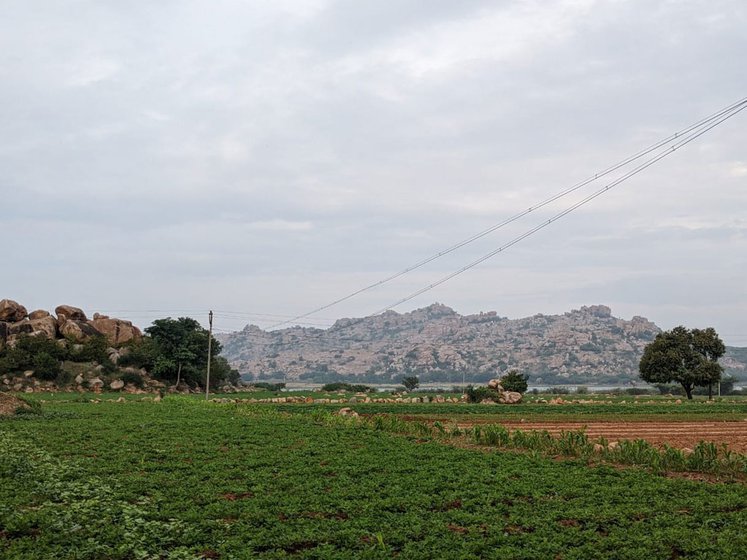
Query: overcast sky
(266, 157)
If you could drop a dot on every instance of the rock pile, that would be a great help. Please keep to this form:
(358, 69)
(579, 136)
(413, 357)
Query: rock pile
(68, 322)
(501, 395)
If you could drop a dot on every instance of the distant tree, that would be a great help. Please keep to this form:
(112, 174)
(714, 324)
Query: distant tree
(411, 382)
(687, 357)
(514, 381)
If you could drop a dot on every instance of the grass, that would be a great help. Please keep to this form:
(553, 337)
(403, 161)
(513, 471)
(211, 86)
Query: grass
(187, 479)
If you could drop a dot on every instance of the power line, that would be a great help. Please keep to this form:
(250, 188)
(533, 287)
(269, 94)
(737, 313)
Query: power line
(688, 138)
(515, 217)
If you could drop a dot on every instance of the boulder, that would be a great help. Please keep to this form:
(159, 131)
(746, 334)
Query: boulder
(510, 397)
(21, 327)
(495, 384)
(116, 385)
(39, 314)
(79, 331)
(347, 412)
(69, 313)
(116, 331)
(44, 325)
(12, 311)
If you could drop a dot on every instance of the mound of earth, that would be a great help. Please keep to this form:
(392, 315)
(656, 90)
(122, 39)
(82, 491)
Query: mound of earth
(9, 404)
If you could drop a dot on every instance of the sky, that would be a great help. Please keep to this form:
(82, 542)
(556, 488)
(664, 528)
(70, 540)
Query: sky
(263, 158)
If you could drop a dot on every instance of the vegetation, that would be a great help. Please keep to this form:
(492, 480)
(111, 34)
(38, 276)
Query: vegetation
(341, 386)
(45, 357)
(264, 484)
(272, 387)
(687, 357)
(514, 381)
(172, 350)
(478, 394)
(175, 350)
(411, 383)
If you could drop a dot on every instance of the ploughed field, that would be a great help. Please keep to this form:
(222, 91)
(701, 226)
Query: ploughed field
(187, 479)
(682, 435)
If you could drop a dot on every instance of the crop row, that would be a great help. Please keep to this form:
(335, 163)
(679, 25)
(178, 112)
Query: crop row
(185, 479)
(705, 457)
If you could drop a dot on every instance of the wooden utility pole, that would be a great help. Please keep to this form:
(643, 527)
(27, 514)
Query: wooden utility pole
(210, 354)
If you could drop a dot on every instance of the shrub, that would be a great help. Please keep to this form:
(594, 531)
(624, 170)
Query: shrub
(274, 387)
(637, 391)
(133, 377)
(342, 386)
(557, 391)
(94, 350)
(478, 394)
(45, 366)
(514, 381)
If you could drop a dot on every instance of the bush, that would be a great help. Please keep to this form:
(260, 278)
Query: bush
(45, 366)
(582, 390)
(637, 391)
(665, 389)
(340, 386)
(557, 391)
(514, 381)
(28, 350)
(274, 387)
(479, 394)
(132, 377)
(95, 349)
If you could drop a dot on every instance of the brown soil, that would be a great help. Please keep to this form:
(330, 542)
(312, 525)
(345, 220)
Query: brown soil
(675, 434)
(9, 404)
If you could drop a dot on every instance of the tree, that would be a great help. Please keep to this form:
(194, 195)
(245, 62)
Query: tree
(178, 350)
(687, 357)
(514, 381)
(411, 382)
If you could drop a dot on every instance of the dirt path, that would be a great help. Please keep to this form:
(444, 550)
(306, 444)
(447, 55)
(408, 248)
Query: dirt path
(675, 434)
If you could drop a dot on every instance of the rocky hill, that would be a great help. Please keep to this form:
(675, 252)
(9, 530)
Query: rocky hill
(586, 345)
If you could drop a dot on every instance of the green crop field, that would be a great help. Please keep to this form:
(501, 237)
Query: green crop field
(189, 479)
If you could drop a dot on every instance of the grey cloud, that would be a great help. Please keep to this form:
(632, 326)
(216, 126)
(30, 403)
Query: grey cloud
(290, 152)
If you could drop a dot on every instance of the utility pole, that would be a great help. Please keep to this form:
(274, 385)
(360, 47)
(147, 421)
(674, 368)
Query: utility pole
(210, 354)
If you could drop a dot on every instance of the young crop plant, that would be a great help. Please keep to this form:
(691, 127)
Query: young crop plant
(189, 479)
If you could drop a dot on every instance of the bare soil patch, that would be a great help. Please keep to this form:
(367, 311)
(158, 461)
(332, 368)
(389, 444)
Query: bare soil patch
(9, 404)
(674, 434)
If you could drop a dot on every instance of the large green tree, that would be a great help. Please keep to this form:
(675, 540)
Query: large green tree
(178, 350)
(687, 357)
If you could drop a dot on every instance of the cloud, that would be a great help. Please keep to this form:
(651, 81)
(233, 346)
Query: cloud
(290, 152)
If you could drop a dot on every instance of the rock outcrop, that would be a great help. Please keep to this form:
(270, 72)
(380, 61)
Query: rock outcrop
(11, 311)
(70, 322)
(116, 331)
(68, 312)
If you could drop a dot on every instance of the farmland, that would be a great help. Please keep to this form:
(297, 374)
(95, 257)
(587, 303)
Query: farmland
(189, 479)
